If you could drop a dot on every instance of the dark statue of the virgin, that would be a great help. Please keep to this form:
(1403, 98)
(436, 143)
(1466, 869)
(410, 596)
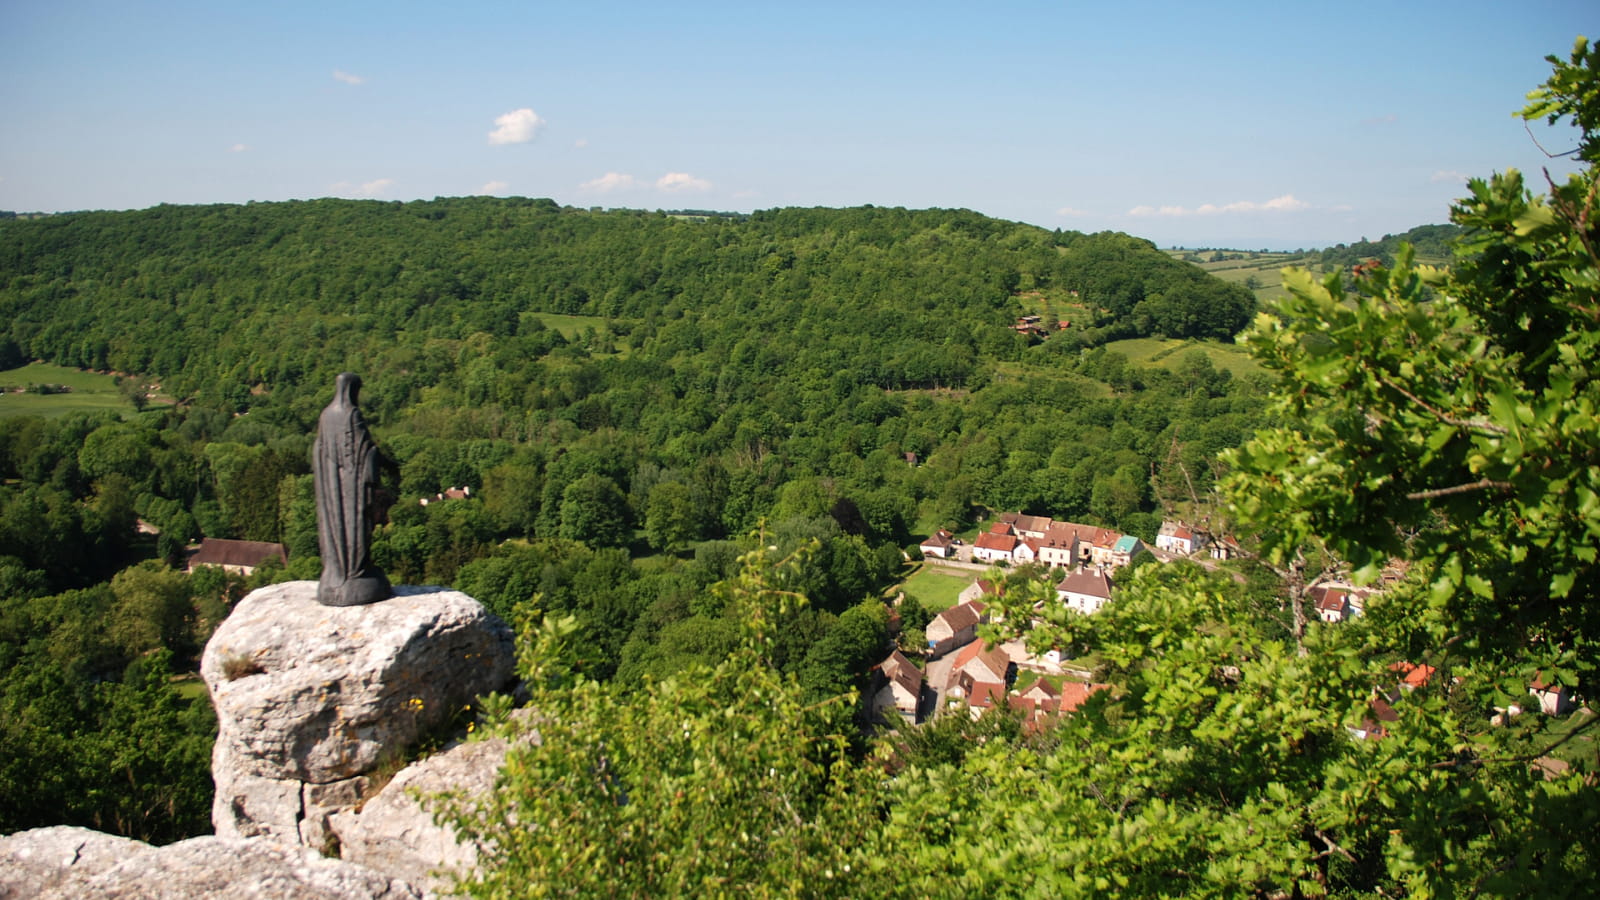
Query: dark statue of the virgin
(347, 474)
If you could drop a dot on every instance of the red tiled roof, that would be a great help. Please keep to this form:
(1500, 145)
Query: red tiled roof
(993, 659)
(1539, 684)
(991, 541)
(1413, 674)
(1075, 693)
(984, 694)
(1332, 599)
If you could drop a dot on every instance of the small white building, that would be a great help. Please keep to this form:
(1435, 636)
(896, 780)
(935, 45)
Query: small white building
(1176, 537)
(994, 547)
(1332, 603)
(1086, 590)
(940, 544)
(1554, 699)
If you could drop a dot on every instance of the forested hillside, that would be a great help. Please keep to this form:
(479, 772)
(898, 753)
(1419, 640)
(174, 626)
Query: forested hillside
(626, 396)
(696, 450)
(223, 300)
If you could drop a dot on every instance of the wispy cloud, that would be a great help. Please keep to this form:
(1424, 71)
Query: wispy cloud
(1381, 120)
(365, 189)
(610, 181)
(1071, 212)
(347, 78)
(682, 181)
(238, 148)
(494, 187)
(581, 143)
(516, 127)
(1285, 203)
(1448, 175)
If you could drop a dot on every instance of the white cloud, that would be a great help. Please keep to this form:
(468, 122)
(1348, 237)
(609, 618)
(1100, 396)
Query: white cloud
(581, 143)
(516, 127)
(238, 148)
(610, 181)
(494, 187)
(347, 78)
(366, 188)
(1381, 120)
(1449, 175)
(1072, 213)
(1285, 203)
(682, 181)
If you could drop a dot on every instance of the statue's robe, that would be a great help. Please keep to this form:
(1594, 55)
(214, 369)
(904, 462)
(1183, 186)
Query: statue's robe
(346, 469)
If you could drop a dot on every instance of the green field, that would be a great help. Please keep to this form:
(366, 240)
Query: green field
(935, 588)
(91, 392)
(1265, 268)
(1167, 353)
(569, 327)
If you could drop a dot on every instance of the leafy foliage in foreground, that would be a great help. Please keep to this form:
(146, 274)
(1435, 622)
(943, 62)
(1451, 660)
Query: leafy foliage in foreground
(1457, 434)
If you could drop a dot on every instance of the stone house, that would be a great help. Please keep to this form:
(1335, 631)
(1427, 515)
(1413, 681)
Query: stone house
(901, 690)
(955, 627)
(979, 677)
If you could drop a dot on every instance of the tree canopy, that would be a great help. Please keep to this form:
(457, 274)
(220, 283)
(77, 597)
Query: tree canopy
(1448, 433)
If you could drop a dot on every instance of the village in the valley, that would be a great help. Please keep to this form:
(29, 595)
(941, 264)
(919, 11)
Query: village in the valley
(955, 671)
(958, 672)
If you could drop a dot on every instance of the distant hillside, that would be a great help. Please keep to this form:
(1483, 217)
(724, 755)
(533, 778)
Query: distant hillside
(1259, 270)
(1432, 243)
(241, 302)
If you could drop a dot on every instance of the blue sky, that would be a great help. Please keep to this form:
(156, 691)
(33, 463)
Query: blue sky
(1222, 124)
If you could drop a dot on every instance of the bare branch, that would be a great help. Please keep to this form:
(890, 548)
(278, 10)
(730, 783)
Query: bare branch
(1333, 846)
(1441, 415)
(1483, 485)
(1529, 129)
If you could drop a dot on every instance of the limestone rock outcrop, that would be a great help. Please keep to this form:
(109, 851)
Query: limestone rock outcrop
(312, 699)
(394, 832)
(65, 863)
(32, 862)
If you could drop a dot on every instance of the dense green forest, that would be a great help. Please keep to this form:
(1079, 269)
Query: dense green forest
(627, 396)
(1439, 423)
(631, 397)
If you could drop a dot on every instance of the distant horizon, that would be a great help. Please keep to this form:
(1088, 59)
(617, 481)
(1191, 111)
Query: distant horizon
(1255, 247)
(1239, 124)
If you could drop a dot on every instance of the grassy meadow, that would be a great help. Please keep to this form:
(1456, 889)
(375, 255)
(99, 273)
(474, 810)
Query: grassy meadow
(936, 588)
(90, 392)
(1263, 270)
(1168, 353)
